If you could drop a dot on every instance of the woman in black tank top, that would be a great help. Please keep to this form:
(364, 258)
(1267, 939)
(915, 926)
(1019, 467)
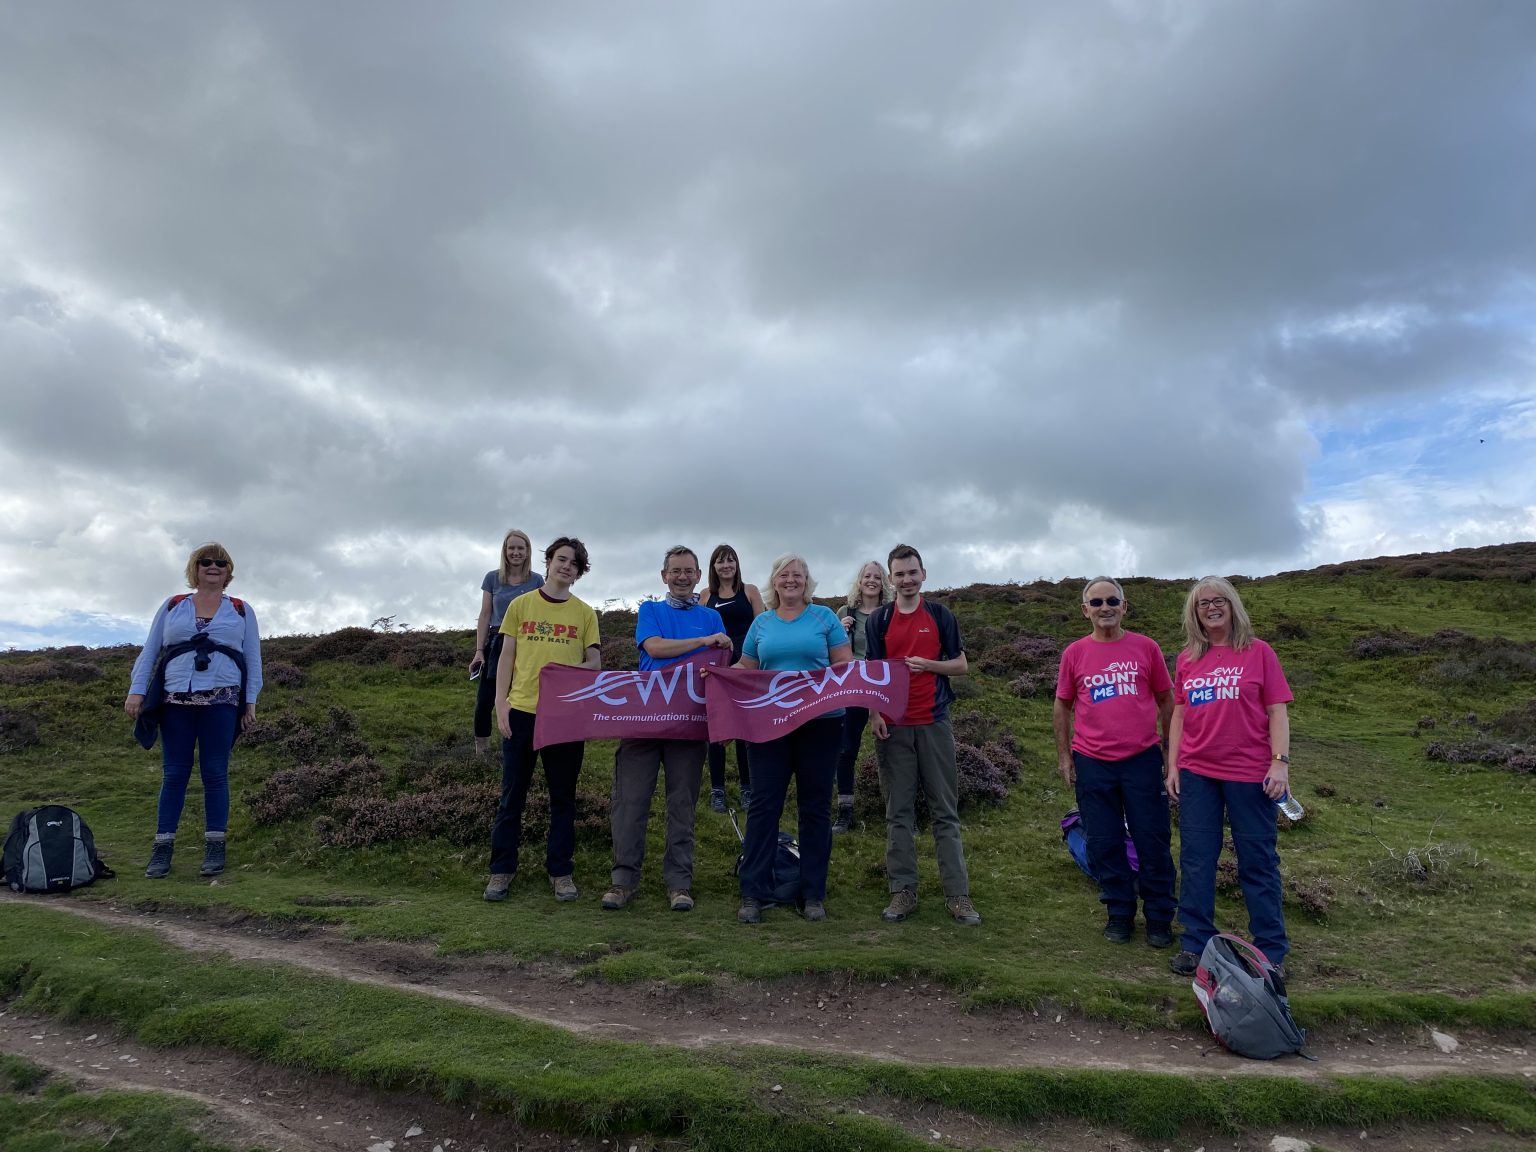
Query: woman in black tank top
(737, 603)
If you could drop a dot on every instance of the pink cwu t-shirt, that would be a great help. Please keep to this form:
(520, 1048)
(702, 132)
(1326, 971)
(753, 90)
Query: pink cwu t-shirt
(1113, 686)
(1226, 697)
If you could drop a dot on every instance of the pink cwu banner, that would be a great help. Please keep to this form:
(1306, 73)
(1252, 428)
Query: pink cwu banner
(667, 704)
(758, 706)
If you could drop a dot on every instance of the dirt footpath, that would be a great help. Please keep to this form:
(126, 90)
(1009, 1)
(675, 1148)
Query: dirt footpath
(911, 1021)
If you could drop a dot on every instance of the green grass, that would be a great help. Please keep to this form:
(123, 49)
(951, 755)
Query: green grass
(39, 1114)
(721, 1099)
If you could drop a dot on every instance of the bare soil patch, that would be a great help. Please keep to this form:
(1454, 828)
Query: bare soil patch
(912, 1021)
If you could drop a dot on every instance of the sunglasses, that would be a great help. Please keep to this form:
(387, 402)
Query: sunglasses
(211, 562)
(1100, 601)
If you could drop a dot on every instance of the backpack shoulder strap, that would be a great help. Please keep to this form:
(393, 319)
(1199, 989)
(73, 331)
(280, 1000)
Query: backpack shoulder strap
(238, 603)
(177, 599)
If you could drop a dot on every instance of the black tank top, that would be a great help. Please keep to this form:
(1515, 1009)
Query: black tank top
(736, 614)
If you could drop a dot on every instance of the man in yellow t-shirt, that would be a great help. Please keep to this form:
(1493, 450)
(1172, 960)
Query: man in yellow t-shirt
(545, 626)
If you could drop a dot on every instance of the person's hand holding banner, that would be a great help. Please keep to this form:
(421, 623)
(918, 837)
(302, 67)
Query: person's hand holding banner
(755, 705)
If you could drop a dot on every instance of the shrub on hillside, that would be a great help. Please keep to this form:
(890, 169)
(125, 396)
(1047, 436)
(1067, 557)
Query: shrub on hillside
(292, 791)
(42, 671)
(413, 650)
(620, 653)
(358, 645)
(1379, 645)
(18, 729)
(281, 674)
(1029, 652)
(1289, 628)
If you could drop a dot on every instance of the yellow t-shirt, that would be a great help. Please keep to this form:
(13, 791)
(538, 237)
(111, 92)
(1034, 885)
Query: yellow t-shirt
(547, 632)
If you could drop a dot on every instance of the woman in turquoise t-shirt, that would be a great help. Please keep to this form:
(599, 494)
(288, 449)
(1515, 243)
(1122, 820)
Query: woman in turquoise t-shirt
(793, 635)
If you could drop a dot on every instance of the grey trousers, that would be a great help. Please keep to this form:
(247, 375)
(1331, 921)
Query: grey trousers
(635, 767)
(922, 754)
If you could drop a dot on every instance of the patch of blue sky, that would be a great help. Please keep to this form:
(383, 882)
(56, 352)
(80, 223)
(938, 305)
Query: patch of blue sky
(93, 630)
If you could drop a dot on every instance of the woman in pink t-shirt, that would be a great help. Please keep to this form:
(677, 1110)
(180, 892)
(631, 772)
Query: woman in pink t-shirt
(1112, 695)
(1229, 755)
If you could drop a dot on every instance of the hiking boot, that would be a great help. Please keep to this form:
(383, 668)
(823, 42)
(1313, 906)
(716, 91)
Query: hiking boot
(903, 904)
(750, 912)
(1118, 930)
(680, 900)
(1159, 934)
(1184, 964)
(213, 857)
(813, 910)
(964, 912)
(159, 866)
(496, 890)
(613, 899)
(565, 888)
(844, 821)
(717, 799)
(746, 799)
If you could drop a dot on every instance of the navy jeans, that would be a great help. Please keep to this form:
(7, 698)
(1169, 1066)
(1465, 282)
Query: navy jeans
(562, 764)
(854, 721)
(211, 729)
(1202, 800)
(1114, 795)
(808, 755)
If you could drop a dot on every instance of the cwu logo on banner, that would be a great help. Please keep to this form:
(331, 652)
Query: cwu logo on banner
(666, 704)
(756, 706)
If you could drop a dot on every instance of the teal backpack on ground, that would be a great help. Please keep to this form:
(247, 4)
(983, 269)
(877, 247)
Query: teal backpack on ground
(1243, 995)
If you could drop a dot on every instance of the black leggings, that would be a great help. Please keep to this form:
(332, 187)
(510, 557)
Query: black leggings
(485, 694)
(717, 765)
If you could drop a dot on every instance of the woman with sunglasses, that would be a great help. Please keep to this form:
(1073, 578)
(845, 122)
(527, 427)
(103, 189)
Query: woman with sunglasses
(203, 658)
(1229, 756)
(1113, 694)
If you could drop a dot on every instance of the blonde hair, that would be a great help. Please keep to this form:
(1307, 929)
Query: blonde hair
(217, 552)
(1197, 641)
(856, 594)
(771, 594)
(507, 575)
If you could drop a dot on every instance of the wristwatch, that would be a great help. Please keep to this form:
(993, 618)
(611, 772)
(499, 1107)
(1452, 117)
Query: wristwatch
(1283, 759)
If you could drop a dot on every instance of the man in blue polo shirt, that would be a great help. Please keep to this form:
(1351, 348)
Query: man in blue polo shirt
(666, 631)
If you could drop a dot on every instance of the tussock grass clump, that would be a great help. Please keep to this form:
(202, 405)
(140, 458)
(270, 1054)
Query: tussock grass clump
(1435, 865)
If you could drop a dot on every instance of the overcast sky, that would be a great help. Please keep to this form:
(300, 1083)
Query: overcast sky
(1046, 289)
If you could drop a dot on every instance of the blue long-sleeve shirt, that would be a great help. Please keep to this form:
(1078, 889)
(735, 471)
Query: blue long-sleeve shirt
(177, 624)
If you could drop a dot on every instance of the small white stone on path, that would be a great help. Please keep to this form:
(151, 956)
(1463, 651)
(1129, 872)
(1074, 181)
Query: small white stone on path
(413, 1130)
(382, 1146)
(1444, 1041)
(778, 1087)
(1289, 1144)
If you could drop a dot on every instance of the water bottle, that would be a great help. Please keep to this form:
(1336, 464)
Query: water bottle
(1290, 807)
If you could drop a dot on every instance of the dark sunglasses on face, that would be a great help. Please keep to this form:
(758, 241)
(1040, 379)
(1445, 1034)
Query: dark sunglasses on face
(1100, 601)
(211, 562)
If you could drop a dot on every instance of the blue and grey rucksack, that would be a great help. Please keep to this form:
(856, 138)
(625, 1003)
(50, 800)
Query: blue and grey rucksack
(1243, 995)
(50, 849)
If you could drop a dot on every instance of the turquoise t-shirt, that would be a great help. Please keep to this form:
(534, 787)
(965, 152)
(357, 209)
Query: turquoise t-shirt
(803, 644)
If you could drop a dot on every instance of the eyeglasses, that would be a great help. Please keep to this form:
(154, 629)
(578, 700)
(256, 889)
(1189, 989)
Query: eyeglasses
(211, 562)
(1100, 601)
(1213, 602)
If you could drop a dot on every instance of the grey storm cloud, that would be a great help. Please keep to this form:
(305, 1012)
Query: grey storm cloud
(1042, 288)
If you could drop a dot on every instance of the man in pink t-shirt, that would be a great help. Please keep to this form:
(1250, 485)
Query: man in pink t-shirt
(1112, 694)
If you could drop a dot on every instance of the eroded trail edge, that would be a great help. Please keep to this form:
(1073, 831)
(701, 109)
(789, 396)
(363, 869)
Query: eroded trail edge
(911, 1021)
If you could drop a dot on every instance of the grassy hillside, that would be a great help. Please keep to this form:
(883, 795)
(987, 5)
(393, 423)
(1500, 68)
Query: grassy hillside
(1411, 885)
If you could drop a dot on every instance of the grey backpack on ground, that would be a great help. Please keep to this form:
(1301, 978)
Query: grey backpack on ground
(50, 849)
(1244, 999)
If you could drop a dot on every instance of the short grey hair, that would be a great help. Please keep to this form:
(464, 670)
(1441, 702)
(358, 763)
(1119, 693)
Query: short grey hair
(1119, 591)
(679, 550)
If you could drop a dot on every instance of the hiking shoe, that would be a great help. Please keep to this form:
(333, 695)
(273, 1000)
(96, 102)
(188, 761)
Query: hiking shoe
(680, 900)
(750, 912)
(496, 890)
(613, 899)
(903, 904)
(1118, 930)
(213, 858)
(1159, 934)
(813, 910)
(565, 888)
(717, 799)
(844, 822)
(159, 866)
(746, 799)
(1184, 964)
(961, 908)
